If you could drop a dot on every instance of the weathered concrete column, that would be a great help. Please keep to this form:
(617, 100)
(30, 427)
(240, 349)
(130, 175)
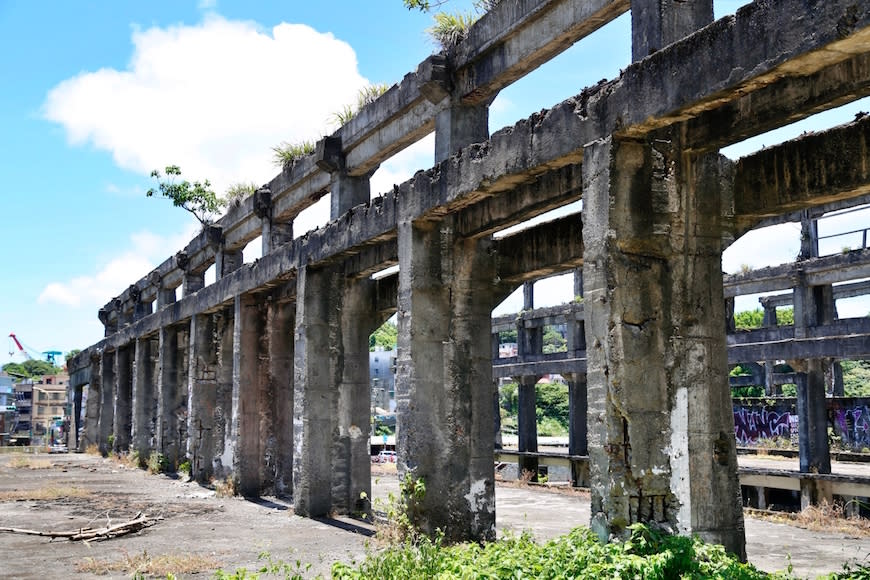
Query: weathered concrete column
(497, 414)
(352, 463)
(769, 319)
(771, 389)
(315, 400)
(658, 23)
(346, 191)
(837, 386)
(578, 442)
(249, 384)
(281, 324)
(273, 234)
(458, 126)
(201, 396)
(170, 401)
(227, 261)
(144, 435)
(193, 282)
(123, 423)
(527, 424)
(445, 436)
(91, 432)
(107, 401)
(661, 429)
(225, 407)
(76, 419)
(815, 454)
(528, 295)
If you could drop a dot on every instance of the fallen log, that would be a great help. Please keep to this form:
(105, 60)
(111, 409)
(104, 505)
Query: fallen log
(138, 523)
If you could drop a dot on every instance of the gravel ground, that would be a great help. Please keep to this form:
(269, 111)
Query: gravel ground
(230, 533)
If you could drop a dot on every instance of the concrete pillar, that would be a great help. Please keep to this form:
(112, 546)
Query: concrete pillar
(661, 429)
(497, 413)
(346, 191)
(262, 382)
(193, 282)
(227, 262)
(165, 296)
(527, 424)
(445, 436)
(815, 454)
(315, 400)
(76, 420)
(578, 443)
(458, 126)
(249, 394)
(91, 432)
(528, 295)
(123, 423)
(578, 283)
(657, 23)
(352, 462)
(170, 403)
(225, 407)
(771, 389)
(201, 396)
(837, 387)
(107, 401)
(281, 325)
(144, 419)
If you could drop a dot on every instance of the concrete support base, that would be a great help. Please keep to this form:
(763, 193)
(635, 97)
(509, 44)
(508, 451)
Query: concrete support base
(445, 435)
(661, 435)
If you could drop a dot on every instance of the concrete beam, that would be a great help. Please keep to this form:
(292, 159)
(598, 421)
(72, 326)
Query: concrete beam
(815, 168)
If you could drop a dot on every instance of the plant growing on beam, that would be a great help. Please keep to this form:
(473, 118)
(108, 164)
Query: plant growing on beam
(286, 153)
(198, 198)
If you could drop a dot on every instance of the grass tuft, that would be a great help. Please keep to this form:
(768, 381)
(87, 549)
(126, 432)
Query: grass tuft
(286, 153)
(44, 493)
(28, 462)
(145, 564)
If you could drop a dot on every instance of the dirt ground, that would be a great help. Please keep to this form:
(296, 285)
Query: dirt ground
(198, 528)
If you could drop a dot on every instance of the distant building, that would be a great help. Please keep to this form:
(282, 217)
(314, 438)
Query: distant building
(41, 413)
(382, 378)
(7, 407)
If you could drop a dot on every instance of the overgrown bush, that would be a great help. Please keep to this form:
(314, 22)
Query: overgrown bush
(647, 554)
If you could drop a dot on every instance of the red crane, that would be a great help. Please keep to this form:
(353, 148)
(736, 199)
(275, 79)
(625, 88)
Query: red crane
(21, 348)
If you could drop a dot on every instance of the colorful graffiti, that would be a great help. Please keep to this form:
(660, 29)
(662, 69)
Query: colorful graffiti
(759, 419)
(852, 425)
(754, 423)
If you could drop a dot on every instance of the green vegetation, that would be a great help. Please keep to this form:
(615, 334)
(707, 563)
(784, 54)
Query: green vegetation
(237, 192)
(448, 30)
(647, 554)
(197, 197)
(366, 95)
(286, 153)
(30, 369)
(856, 378)
(551, 408)
(553, 341)
(749, 319)
(386, 337)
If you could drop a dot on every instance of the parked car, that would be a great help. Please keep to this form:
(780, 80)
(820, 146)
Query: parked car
(386, 457)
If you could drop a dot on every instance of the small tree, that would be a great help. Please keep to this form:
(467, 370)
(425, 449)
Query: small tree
(197, 197)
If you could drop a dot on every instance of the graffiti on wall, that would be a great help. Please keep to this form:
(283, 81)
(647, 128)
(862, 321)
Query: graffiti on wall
(852, 425)
(754, 423)
(760, 419)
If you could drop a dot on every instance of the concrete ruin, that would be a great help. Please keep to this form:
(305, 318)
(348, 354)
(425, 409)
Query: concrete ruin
(262, 376)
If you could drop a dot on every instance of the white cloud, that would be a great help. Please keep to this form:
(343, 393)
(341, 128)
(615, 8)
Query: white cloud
(212, 98)
(146, 250)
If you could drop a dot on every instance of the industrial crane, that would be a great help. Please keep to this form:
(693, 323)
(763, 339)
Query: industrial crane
(49, 354)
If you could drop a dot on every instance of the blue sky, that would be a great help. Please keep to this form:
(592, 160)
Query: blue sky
(98, 93)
